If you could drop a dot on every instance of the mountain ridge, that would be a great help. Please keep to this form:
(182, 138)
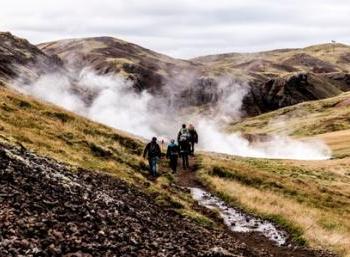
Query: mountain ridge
(274, 79)
(272, 84)
(287, 49)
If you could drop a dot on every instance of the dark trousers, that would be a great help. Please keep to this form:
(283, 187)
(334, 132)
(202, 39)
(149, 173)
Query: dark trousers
(185, 163)
(192, 147)
(173, 162)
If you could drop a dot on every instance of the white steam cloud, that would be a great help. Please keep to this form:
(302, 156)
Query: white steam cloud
(276, 147)
(115, 104)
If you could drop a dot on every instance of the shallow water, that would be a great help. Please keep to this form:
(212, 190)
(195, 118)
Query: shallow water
(238, 221)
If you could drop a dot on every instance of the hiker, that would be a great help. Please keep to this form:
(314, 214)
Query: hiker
(152, 151)
(183, 134)
(173, 154)
(183, 139)
(193, 137)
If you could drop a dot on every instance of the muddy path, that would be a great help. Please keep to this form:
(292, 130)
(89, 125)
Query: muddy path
(188, 178)
(253, 239)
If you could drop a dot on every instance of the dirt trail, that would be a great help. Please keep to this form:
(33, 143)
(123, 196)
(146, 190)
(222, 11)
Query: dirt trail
(187, 178)
(253, 240)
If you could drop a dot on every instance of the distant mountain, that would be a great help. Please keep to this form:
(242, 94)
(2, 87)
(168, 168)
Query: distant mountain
(20, 58)
(275, 79)
(106, 55)
(285, 77)
(324, 58)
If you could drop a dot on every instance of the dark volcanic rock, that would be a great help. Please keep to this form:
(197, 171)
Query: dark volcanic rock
(202, 91)
(281, 92)
(48, 211)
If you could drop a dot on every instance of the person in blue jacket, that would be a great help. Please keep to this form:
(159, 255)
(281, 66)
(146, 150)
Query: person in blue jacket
(172, 154)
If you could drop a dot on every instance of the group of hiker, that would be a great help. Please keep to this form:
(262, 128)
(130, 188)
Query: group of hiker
(186, 140)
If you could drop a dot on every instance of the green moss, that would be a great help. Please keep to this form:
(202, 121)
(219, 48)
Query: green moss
(293, 230)
(197, 217)
(7, 108)
(99, 151)
(231, 174)
(131, 145)
(168, 202)
(67, 137)
(61, 116)
(329, 224)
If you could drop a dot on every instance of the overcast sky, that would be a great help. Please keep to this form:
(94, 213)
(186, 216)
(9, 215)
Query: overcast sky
(183, 28)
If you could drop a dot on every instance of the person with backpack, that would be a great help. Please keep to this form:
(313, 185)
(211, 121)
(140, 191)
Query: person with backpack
(153, 153)
(173, 154)
(185, 147)
(193, 137)
(183, 134)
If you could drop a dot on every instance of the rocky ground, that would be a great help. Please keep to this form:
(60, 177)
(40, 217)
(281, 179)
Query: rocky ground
(47, 210)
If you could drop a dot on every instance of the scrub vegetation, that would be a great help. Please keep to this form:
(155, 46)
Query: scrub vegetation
(311, 199)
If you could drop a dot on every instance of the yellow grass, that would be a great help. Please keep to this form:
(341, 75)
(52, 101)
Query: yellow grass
(313, 196)
(330, 53)
(322, 229)
(304, 119)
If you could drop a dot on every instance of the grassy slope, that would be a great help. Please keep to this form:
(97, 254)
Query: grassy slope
(306, 119)
(326, 119)
(311, 196)
(107, 54)
(51, 131)
(274, 63)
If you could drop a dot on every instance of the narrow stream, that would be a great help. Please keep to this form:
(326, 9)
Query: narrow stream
(238, 221)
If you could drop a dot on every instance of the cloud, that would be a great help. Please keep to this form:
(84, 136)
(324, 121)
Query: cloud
(184, 28)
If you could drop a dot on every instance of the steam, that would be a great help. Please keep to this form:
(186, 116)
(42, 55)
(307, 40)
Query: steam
(53, 88)
(111, 100)
(114, 104)
(277, 146)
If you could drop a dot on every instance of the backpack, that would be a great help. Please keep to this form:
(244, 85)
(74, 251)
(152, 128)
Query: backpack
(184, 135)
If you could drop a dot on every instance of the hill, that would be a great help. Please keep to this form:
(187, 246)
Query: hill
(284, 77)
(106, 55)
(323, 58)
(273, 79)
(322, 119)
(20, 58)
(70, 186)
